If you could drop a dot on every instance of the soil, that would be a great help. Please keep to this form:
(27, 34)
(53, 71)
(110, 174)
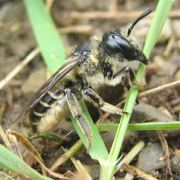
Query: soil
(17, 41)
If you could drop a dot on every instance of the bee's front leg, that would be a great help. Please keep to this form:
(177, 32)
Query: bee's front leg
(125, 75)
(76, 113)
(92, 96)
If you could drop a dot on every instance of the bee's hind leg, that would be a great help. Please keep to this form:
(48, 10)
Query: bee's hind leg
(92, 96)
(76, 113)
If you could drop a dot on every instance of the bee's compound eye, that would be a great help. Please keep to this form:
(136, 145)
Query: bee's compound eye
(115, 43)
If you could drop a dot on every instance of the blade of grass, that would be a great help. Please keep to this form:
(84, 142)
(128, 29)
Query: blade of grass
(98, 150)
(46, 34)
(11, 162)
(141, 126)
(49, 42)
(154, 32)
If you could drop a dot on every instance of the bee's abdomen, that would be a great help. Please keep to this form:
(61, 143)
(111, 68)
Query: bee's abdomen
(40, 111)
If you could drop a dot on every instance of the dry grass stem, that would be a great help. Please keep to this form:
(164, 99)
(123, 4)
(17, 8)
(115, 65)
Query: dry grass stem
(165, 148)
(33, 151)
(19, 67)
(137, 172)
(115, 15)
(159, 89)
(86, 29)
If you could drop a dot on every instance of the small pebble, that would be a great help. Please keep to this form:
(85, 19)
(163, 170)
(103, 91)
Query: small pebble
(148, 159)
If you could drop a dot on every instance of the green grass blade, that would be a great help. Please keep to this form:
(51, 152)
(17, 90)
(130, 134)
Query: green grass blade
(98, 150)
(52, 50)
(46, 34)
(11, 162)
(141, 126)
(160, 17)
(151, 40)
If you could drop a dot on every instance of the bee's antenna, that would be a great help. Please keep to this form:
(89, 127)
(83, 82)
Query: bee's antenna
(144, 14)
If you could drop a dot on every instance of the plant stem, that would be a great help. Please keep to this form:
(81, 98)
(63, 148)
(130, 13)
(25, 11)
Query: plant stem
(159, 19)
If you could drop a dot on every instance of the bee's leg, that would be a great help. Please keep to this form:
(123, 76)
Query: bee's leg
(92, 96)
(76, 113)
(125, 75)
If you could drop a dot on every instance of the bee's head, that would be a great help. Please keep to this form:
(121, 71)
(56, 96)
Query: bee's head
(114, 43)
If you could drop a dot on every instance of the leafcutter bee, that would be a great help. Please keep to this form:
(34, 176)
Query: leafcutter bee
(92, 64)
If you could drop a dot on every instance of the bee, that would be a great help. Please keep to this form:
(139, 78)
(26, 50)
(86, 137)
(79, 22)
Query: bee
(92, 64)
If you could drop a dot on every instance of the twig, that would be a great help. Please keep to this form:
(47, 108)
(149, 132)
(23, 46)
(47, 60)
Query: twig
(62, 159)
(159, 89)
(114, 15)
(165, 148)
(113, 6)
(19, 67)
(137, 172)
(5, 139)
(49, 4)
(88, 29)
(131, 154)
(33, 151)
(169, 46)
(82, 172)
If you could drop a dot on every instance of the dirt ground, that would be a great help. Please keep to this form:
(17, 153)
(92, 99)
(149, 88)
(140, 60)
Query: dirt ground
(17, 41)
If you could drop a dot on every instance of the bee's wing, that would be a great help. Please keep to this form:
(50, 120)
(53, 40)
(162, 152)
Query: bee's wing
(49, 84)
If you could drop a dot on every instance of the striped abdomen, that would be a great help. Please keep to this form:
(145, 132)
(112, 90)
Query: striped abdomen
(49, 111)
